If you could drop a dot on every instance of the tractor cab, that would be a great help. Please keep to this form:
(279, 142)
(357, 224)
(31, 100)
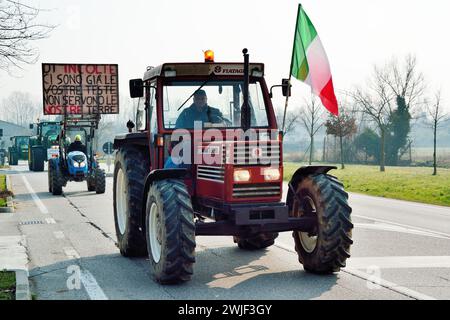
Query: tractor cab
(18, 150)
(43, 145)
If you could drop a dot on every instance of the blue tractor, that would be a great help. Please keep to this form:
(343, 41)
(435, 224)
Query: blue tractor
(77, 161)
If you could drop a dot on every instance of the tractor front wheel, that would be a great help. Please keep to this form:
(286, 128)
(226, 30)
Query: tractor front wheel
(170, 231)
(325, 249)
(257, 242)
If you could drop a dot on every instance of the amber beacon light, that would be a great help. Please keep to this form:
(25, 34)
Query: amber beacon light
(209, 56)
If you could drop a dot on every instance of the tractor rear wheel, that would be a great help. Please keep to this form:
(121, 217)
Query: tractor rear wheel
(325, 249)
(170, 231)
(13, 159)
(38, 159)
(90, 181)
(131, 168)
(56, 177)
(257, 242)
(100, 181)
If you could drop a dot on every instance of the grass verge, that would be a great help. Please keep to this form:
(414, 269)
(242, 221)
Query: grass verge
(403, 183)
(7, 285)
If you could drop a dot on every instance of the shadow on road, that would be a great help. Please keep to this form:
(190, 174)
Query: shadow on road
(219, 273)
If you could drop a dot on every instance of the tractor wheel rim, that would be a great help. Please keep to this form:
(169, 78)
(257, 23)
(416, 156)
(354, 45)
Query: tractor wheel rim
(154, 228)
(121, 194)
(309, 243)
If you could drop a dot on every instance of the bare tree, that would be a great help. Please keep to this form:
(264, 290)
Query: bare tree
(19, 27)
(436, 116)
(375, 102)
(341, 126)
(405, 81)
(19, 108)
(292, 119)
(311, 116)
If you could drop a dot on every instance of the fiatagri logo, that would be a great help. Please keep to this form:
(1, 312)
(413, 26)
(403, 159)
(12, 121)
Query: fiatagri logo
(228, 70)
(214, 147)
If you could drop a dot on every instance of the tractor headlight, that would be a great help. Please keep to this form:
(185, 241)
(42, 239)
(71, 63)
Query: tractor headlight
(76, 164)
(241, 175)
(271, 174)
(82, 164)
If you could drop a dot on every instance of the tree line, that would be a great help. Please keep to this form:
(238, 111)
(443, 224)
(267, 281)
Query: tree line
(375, 119)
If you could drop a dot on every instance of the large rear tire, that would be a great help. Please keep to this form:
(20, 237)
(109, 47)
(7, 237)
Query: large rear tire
(257, 242)
(131, 168)
(38, 158)
(100, 181)
(170, 231)
(56, 178)
(326, 249)
(90, 181)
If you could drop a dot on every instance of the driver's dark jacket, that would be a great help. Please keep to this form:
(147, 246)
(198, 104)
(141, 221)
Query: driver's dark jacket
(77, 146)
(188, 116)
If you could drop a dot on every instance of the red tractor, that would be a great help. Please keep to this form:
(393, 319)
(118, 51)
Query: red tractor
(205, 158)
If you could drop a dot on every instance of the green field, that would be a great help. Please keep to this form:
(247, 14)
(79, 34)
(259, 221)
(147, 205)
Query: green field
(7, 285)
(404, 183)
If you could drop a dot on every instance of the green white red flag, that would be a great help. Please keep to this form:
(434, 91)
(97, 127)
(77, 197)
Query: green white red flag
(310, 63)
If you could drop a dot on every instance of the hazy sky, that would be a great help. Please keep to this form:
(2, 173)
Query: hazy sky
(135, 34)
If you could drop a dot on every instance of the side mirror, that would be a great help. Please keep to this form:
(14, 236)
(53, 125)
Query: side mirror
(286, 87)
(31, 126)
(136, 88)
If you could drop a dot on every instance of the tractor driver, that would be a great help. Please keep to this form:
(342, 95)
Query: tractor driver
(198, 111)
(77, 145)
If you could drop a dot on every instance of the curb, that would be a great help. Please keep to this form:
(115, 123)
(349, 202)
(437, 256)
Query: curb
(22, 285)
(9, 200)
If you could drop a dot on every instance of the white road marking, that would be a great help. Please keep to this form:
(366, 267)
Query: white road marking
(94, 291)
(396, 228)
(50, 221)
(399, 262)
(71, 253)
(446, 235)
(378, 281)
(33, 194)
(388, 285)
(58, 235)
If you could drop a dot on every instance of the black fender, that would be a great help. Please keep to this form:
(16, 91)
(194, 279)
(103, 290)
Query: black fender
(302, 173)
(157, 175)
(135, 138)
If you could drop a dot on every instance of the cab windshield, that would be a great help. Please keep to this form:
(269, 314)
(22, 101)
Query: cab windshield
(22, 142)
(50, 129)
(217, 104)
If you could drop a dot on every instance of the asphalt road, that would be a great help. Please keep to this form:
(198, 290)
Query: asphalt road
(401, 251)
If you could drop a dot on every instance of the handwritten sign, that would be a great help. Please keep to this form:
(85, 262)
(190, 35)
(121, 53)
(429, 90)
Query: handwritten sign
(80, 88)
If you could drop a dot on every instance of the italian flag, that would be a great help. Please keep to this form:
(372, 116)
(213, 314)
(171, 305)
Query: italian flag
(310, 63)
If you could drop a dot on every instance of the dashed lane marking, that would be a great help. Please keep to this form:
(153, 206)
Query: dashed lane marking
(58, 235)
(71, 253)
(50, 221)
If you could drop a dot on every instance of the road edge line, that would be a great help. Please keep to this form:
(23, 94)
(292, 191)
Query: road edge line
(35, 197)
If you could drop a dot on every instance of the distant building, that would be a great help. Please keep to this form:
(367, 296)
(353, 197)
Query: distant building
(8, 130)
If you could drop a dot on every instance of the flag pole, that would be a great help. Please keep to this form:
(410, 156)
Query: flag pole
(290, 69)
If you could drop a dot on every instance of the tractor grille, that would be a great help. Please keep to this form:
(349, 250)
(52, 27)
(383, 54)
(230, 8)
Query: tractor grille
(256, 190)
(210, 173)
(254, 154)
